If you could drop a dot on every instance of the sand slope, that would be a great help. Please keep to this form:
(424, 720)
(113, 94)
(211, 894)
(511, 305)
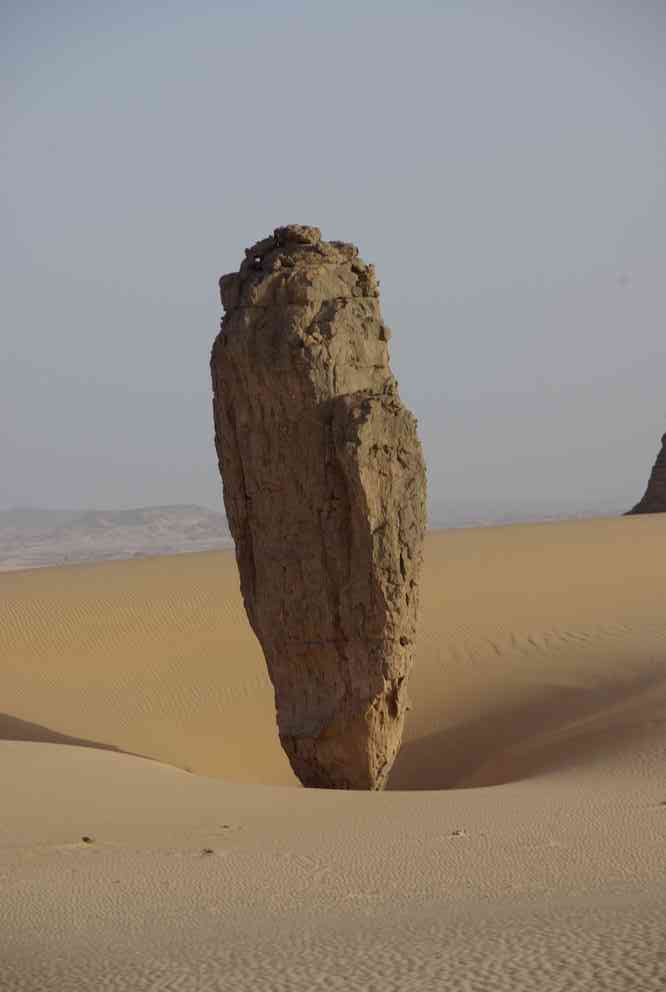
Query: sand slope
(539, 706)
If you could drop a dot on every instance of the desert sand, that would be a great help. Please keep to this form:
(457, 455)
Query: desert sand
(520, 844)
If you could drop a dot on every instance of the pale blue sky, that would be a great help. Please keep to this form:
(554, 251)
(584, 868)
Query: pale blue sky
(502, 164)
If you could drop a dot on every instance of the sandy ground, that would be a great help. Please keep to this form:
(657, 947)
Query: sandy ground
(521, 844)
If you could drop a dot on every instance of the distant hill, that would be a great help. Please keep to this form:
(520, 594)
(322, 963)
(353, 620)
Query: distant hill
(32, 538)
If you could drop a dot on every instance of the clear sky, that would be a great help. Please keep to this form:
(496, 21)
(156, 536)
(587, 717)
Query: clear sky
(502, 164)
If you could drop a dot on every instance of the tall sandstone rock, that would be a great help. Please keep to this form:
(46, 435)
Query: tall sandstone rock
(324, 488)
(654, 500)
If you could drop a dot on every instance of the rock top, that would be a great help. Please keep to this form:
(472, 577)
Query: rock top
(324, 488)
(295, 267)
(654, 500)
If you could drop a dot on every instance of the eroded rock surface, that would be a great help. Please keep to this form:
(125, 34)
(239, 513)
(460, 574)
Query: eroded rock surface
(654, 500)
(324, 488)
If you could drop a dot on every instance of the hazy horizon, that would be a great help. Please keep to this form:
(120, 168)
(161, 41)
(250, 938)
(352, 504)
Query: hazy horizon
(504, 169)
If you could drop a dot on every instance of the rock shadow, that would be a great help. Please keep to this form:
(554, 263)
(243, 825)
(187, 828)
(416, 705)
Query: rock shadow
(557, 727)
(14, 729)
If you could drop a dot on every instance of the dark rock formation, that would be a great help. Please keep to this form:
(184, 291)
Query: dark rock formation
(324, 488)
(654, 500)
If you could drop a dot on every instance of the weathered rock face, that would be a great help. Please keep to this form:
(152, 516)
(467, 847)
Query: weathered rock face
(654, 500)
(324, 488)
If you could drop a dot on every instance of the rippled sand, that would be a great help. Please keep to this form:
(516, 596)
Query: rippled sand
(521, 843)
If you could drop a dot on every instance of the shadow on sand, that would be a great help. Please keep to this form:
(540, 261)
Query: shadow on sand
(555, 728)
(13, 729)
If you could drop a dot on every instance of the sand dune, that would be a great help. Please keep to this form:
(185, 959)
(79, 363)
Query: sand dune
(521, 843)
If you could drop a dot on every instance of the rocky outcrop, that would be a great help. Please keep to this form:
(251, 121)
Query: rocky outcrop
(324, 488)
(654, 500)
